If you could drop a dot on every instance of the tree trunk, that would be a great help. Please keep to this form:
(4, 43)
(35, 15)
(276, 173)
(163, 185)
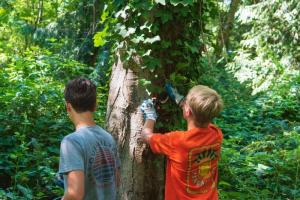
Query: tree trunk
(226, 27)
(39, 14)
(142, 173)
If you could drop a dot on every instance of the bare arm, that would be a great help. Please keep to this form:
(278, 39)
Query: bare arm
(147, 131)
(75, 190)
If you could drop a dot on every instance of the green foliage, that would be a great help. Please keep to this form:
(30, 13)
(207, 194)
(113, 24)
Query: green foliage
(163, 34)
(269, 52)
(174, 39)
(34, 121)
(65, 27)
(261, 150)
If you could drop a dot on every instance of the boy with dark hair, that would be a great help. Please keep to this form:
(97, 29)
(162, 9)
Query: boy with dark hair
(192, 155)
(88, 157)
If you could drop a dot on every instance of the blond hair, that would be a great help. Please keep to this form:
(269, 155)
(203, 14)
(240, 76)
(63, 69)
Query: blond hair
(205, 103)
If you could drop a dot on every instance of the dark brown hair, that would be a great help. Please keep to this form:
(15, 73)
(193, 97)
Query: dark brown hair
(81, 94)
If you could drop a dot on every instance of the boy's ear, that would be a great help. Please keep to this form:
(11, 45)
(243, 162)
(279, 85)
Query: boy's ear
(187, 111)
(68, 107)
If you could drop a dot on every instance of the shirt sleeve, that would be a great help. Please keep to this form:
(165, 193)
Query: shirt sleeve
(71, 156)
(162, 143)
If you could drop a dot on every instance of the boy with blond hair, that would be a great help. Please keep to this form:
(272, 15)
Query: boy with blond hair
(192, 155)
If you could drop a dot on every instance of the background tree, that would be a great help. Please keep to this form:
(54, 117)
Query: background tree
(226, 26)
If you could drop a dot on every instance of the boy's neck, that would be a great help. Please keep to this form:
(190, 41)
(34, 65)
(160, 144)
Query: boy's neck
(83, 119)
(191, 125)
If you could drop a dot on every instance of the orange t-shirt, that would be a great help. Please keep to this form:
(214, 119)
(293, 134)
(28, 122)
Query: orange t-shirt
(192, 164)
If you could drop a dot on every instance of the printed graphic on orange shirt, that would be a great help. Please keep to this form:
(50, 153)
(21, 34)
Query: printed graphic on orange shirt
(202, 169)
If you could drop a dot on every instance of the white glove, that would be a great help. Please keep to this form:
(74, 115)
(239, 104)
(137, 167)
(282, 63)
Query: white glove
(148, 110)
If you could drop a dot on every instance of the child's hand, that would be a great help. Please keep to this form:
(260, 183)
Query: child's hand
(173, 93)
(148, 109)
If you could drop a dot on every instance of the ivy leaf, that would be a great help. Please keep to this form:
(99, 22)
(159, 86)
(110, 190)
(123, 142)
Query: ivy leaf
(152, 40)
(122, 13)
(146, 26)
(130, 31)
(144, 82)
(138, 39)
(166, 44)
(162, 2)
(183, 2)
(165, 16)
(177, 78)
(147, 53)
(151, 63)
(125, 33)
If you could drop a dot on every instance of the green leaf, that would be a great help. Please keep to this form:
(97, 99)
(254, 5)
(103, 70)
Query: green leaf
(144, 82)
(126, 32)
(166, 44)
(224, 183)
(2, 11)
(99, 38)
(183, 2)
(26, 191)
(152, 40)
(138, 39)
(130, 31)
(104, 14)
(162, 2)
(192, 48)
(164, 15)
(148, 52)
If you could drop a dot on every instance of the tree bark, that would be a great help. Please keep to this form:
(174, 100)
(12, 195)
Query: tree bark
(142, 173)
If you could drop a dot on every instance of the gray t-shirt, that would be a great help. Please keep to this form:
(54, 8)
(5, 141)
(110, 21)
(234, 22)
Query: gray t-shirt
(92, 150)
